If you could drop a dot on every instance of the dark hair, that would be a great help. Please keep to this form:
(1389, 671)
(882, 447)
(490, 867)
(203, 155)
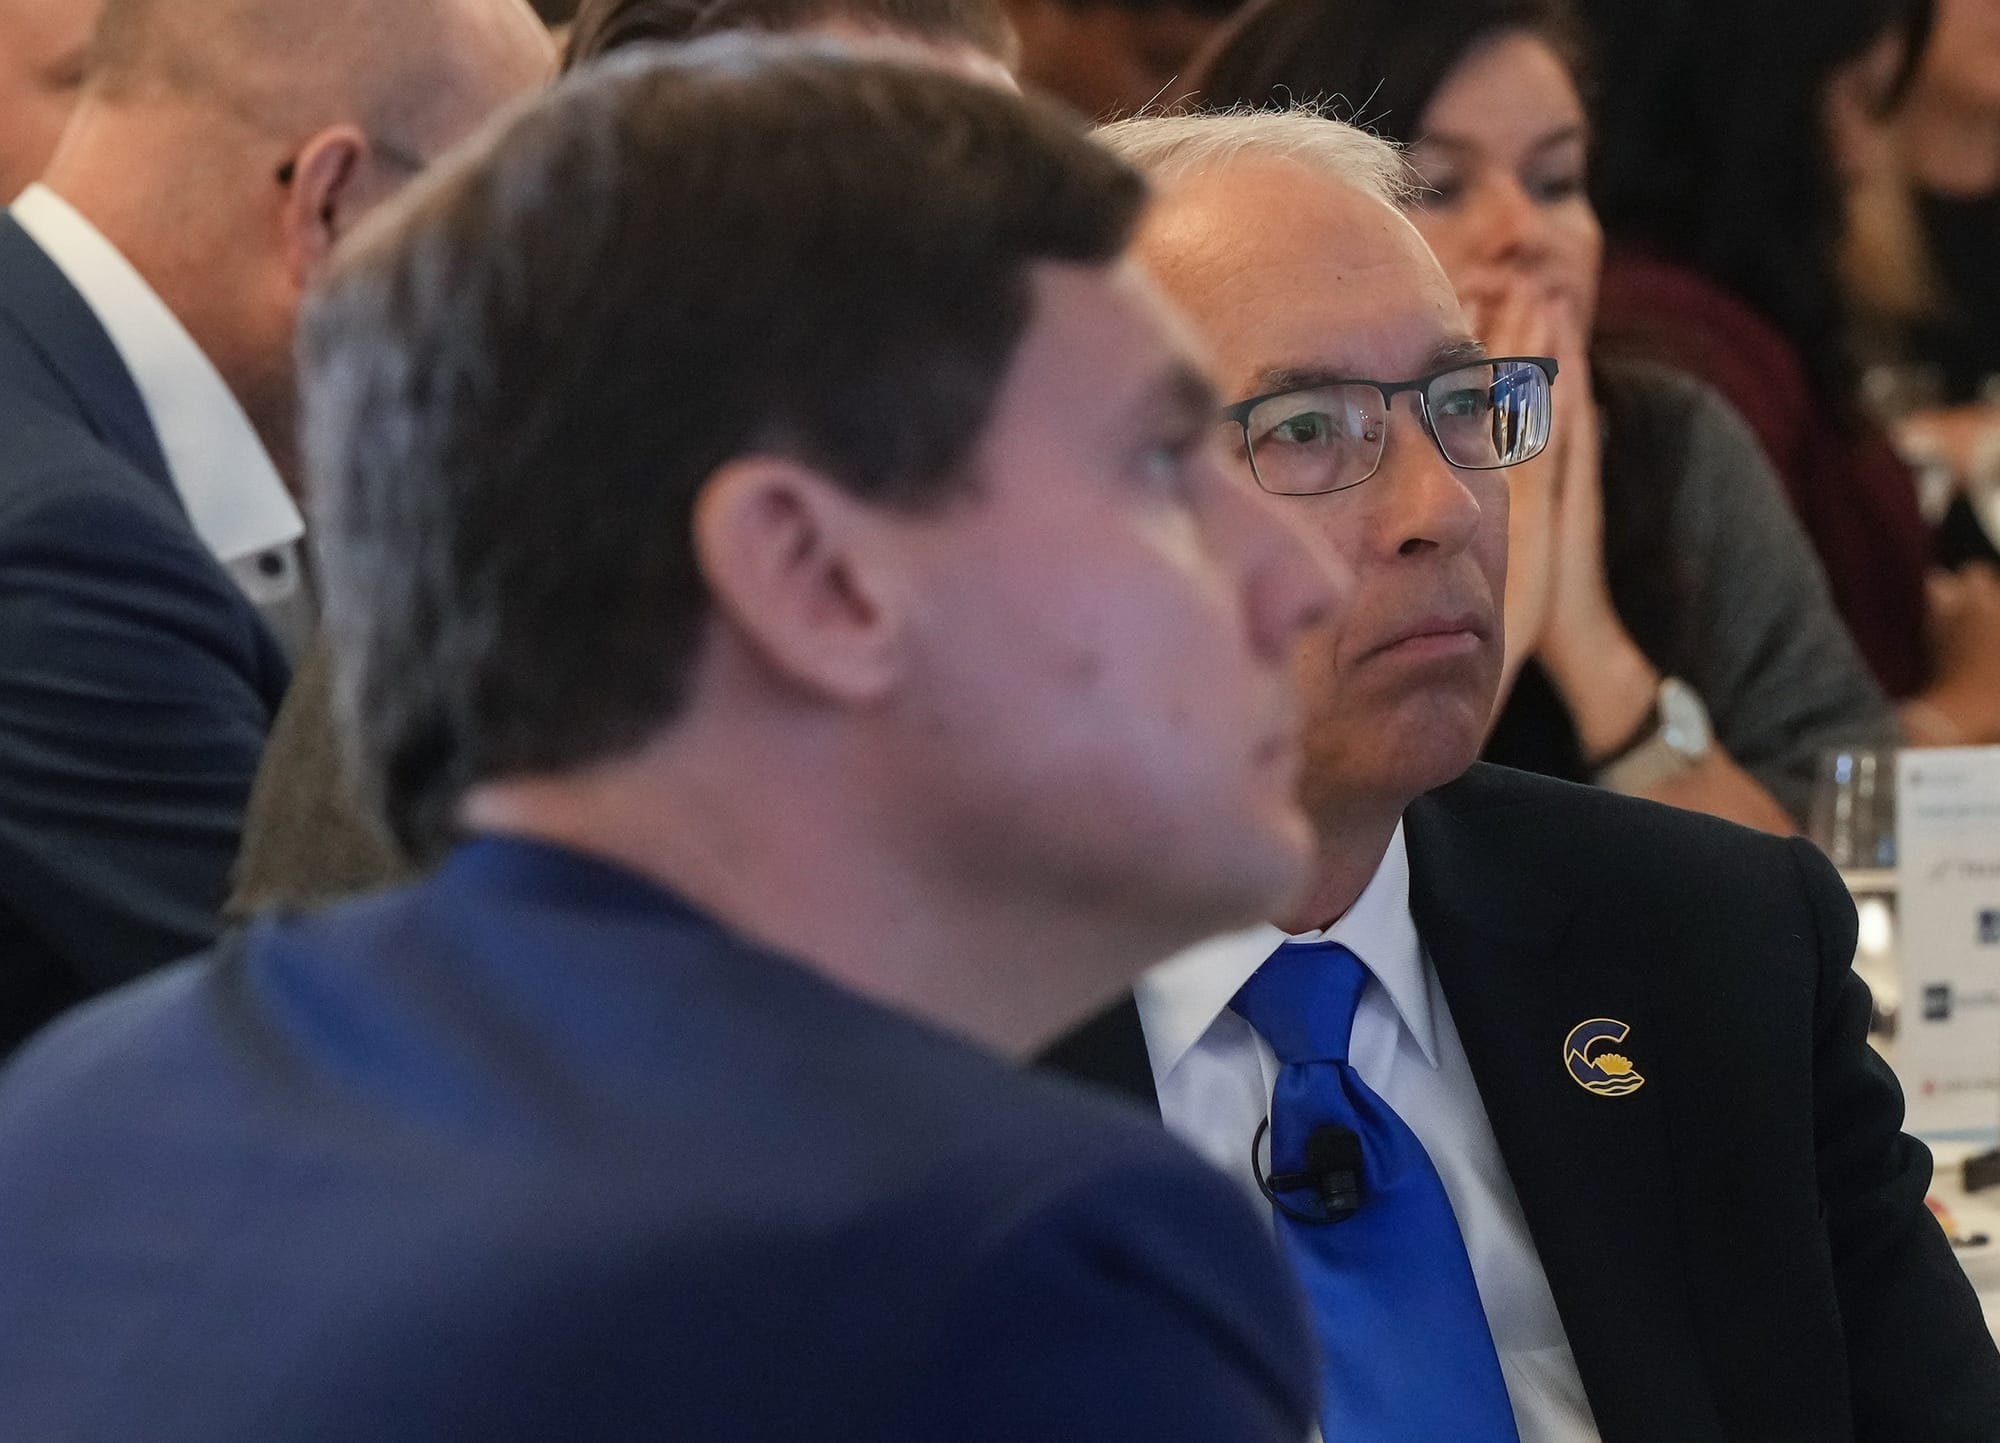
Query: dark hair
(1378, 61)
(517, 384)
(1201, 9)
(1712, 147)
(603, 26)
(555, 12)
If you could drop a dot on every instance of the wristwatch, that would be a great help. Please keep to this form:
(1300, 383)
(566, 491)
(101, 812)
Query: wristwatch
(1675, 737)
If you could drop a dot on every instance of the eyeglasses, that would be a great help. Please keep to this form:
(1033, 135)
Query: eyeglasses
(1481, 415)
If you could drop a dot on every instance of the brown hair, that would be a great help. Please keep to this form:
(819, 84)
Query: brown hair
(603, 26)
(517, 383)
(1378, 62)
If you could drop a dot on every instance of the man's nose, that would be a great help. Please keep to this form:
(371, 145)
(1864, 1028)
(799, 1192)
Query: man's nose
(1421, 502)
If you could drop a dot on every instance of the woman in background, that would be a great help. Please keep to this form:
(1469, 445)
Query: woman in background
(1653, 559)
(1948, 136)
(1732, 135)
(1933, 341)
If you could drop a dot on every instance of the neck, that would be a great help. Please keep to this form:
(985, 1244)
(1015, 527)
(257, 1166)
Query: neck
(831, 893)
(1353, 836)
(129, 174)
(1951, 148)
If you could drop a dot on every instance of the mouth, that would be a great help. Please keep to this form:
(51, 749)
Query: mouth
(1444, 635)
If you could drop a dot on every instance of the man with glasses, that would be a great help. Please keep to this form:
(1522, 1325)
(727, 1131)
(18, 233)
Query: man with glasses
(1561, 1102)
(148, 530)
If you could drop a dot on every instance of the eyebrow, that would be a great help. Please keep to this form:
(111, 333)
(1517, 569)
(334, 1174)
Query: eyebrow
(1573, 133)
(1457, 351)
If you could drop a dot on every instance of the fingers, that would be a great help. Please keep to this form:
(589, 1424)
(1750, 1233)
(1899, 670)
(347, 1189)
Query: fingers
(1946, 593)
(1515, 322)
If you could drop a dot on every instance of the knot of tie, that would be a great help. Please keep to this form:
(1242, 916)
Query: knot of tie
(1302, 1000)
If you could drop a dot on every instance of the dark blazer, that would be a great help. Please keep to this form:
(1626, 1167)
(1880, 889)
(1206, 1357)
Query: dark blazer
(533, 1151)
(1739, 1249)
(136, 681)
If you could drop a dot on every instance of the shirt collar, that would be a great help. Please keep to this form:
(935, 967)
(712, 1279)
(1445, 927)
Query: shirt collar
(234, 496)
(1180, 999)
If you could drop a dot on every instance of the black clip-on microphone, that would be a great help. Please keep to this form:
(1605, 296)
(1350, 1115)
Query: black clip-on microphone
(1333, 1171)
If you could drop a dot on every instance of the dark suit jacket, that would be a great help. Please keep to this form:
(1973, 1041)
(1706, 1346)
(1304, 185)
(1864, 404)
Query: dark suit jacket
(136, 681)
(1740, 1249)
(533, 1151)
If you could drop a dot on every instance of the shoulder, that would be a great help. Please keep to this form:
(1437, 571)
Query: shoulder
(1710, 918)
(983, 1244)
(1588, 841)
(1664, 400)
(1655, 310)
(1140, 1299)
(72, 508)
(1694, 442)
(95, 549)
(58, 479)
(1688, 316)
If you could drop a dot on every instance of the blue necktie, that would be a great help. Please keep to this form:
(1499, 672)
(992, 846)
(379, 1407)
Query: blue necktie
(1405, 1353)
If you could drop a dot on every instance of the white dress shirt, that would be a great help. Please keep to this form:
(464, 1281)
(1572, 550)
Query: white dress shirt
(1215, 1076)
(234, 497)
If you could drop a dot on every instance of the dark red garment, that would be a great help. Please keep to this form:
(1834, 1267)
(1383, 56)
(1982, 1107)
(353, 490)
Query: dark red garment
(1854, 496)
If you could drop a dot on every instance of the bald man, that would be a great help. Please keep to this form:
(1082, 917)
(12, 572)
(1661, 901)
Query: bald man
(148, 533)
(42, 47)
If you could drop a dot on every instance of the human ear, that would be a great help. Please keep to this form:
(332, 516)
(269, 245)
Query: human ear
(320, 184)
(806, 574)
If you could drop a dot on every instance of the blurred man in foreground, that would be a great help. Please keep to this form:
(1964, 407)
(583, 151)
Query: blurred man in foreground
(1622, 1163)
(895, 674)
(306, 838)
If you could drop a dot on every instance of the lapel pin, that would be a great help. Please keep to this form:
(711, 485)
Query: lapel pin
(1591, 1062)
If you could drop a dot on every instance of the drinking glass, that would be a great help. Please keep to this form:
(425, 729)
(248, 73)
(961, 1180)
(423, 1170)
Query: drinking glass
(1853, 821)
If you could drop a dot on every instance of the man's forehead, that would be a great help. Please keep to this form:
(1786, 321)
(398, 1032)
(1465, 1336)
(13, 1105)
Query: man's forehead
(1284, 267)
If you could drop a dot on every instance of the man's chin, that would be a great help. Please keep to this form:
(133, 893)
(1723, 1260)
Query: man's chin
(1385, 763)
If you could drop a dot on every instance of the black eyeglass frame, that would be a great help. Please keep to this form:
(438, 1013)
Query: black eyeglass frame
(1239, 413)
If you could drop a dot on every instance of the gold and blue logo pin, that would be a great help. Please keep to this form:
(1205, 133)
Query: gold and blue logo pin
(1588, 1055)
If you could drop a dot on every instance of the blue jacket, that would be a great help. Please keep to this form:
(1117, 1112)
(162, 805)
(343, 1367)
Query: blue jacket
(533, 1151)
(136, 681)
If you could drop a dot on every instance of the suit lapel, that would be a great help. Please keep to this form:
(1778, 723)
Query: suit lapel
(1593, 1173)
(64, 334)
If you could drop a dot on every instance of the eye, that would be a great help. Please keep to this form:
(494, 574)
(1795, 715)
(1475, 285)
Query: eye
(1308, 428)
(1555, 189)
(1464, 403)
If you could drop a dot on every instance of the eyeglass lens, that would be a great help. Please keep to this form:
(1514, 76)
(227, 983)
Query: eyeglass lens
(1482, 417)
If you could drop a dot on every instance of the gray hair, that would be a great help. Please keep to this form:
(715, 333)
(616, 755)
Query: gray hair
(1169, 148)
